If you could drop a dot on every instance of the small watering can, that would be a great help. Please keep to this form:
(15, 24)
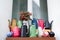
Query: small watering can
(24, 30)
(48, 25)
(15, 31)
(32, 31)
(19, 23)
(41, 23)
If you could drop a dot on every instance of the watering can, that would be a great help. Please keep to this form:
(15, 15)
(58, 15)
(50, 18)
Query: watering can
(32, 31)
(24, 30)
(19, 23)
(15, 31)
(48, 25)
(41, 23)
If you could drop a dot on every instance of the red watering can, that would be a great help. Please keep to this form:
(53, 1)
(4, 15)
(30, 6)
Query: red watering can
(15, 31)
(41, 23)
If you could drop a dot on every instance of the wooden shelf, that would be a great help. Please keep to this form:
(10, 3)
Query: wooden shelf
(30, 38)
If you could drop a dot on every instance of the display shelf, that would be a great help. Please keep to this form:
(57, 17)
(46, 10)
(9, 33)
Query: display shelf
(30, 38)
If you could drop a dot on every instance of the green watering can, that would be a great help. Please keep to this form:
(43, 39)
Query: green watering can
(19, 24)
(32, 31)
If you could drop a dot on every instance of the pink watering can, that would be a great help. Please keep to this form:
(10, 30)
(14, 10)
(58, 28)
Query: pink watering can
(15, 31)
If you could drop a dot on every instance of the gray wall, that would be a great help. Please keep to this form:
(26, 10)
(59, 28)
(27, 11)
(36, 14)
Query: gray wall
(38, 12)
(43, 9)
(18, 5)
(15, 9)
(23, 5)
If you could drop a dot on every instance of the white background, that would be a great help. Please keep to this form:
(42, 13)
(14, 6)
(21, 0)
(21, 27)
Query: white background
(5, 14)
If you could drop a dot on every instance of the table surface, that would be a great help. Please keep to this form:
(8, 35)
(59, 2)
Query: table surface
(30, 38)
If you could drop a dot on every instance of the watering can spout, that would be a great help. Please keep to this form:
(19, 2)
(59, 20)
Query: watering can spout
(51, 22)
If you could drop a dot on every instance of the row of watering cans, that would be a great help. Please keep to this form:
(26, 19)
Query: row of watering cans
(30, 28)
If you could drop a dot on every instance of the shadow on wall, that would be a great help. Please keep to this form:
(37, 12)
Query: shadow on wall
(40, 12)
(43, 9)
(36, 10)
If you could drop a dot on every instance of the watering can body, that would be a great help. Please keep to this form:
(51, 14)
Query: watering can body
(32, 31)
(24, 31)
(41, 23)
(15, 31)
